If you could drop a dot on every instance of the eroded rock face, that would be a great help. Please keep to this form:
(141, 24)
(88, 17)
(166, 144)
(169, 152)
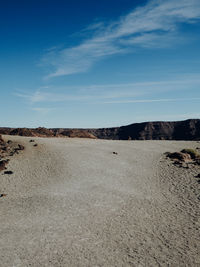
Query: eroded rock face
(41, 131)
(182, 130)
(78, 134)
(21, 132)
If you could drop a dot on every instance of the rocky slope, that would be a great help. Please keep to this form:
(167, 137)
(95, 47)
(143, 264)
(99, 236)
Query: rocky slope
(178, 130)
(7, 150)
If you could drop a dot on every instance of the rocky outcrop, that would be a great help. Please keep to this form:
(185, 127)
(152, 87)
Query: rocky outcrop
(77, 133)
(43, 132)
(185, 156)
(40, 132)
(22, 132)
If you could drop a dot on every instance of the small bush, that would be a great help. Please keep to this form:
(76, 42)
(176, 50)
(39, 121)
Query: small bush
(192, 152)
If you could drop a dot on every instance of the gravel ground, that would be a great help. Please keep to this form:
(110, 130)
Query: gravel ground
(72, 202)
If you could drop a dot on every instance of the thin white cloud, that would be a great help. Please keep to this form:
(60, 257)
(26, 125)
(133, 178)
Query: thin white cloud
(111, 93)
(152, 24)
(42, 110)
(152, 100)
(164, 117)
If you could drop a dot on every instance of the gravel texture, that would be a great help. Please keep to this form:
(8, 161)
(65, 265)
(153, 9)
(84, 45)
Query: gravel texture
(72, 202)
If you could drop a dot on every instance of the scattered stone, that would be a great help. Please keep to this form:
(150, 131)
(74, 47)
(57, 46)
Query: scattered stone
(4, 148)
(115, 153)
(8, 172)
(7, 149)
(185, 165)
(3, 164)
(20, 147)
(177, 162)
(31, 141)
(197, 161)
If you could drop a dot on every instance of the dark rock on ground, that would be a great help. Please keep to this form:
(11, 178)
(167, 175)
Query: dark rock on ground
(20, 147)
(3, 164)
(8, 172)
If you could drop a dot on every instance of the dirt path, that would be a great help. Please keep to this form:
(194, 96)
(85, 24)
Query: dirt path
(72, 202)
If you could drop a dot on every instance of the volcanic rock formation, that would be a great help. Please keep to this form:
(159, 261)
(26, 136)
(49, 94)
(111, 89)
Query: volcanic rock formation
(176, 130)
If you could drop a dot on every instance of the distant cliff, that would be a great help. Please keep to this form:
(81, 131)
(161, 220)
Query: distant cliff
(176, 130)
(180, 130)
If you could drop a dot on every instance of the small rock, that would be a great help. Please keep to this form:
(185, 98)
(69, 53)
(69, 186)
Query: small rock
(8, 172)
(20, 147)
(3, 164)
(115, 153)
(31, 141)
(177, 162)
(3, 195)
(197, 161)
(35, 145)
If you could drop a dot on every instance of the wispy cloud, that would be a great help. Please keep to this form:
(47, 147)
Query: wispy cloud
(151, 25)
(164, 117)
(110, 93)
(42, 110)
(152, 100)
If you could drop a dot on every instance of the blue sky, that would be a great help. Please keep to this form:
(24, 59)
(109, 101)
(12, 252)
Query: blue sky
(74, 63)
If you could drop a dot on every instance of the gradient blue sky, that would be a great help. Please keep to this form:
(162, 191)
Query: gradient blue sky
(75, 63)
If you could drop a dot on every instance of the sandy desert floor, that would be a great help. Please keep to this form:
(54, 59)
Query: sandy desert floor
(72, 202)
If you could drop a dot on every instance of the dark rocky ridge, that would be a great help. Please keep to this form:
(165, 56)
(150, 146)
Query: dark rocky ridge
(176, 130)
